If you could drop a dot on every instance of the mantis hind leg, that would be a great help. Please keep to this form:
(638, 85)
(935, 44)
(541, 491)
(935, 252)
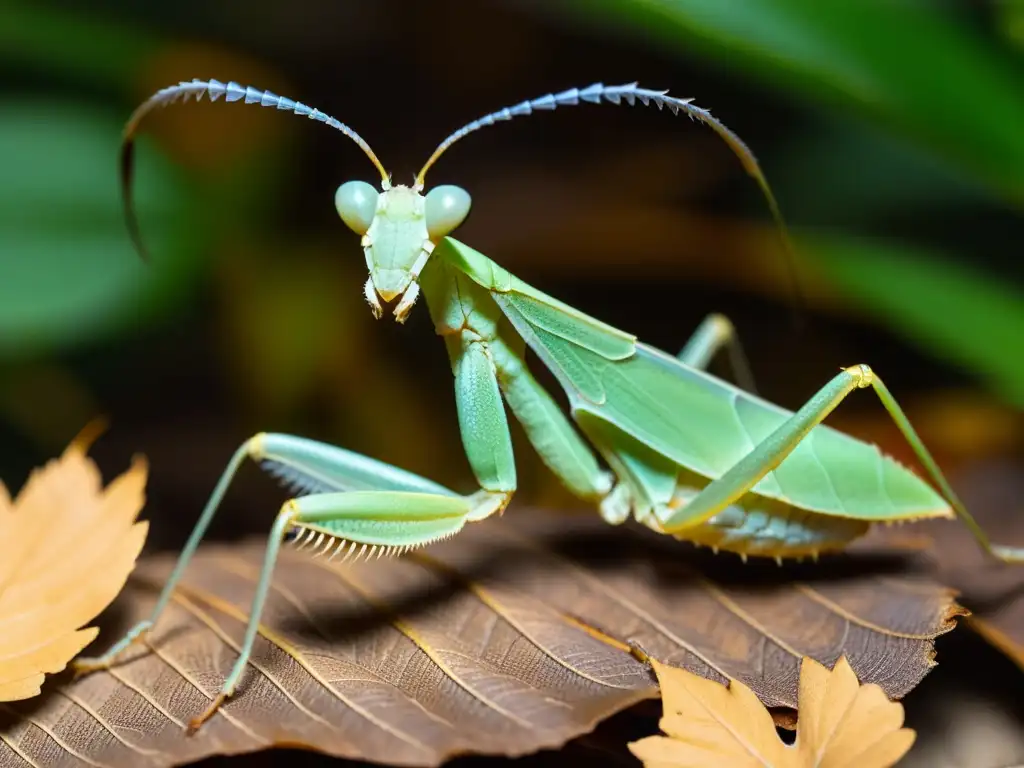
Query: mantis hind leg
(715, 332)
(746, 473)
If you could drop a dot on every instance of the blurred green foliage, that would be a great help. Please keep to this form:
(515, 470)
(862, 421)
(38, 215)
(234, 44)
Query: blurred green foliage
(923, 75)
(891, 132)
(954, 311)
(68, 44)
(68, 274)
(914, 67)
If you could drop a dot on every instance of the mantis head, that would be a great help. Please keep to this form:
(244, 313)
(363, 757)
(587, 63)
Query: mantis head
(399, 227)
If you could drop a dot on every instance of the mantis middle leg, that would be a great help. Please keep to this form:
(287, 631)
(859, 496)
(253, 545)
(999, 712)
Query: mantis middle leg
(715, 332)
(392, 519)
(746, 473)
(353, 499)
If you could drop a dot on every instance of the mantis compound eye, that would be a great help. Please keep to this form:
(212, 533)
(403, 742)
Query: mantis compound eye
(447, 207)
(356, 202)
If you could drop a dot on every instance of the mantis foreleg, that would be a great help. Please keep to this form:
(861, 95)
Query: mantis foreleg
(556, 440)
(487, 358)
(745, 474)
(482, 420)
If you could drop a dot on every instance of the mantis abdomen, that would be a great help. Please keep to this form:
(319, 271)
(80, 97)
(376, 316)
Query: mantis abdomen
(762, 527)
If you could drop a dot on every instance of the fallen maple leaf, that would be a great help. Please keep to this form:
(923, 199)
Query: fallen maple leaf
(67, 547)
(842, 724)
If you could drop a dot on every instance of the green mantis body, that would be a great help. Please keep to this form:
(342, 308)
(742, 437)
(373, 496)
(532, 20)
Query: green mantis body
(687, 454)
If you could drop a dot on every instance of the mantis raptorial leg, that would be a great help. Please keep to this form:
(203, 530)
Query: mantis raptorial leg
(487, 360)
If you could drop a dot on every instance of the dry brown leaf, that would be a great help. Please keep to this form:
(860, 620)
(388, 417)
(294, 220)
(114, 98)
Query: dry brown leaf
(509, 638)
(67, 546)
(842, 724)
(993, 591)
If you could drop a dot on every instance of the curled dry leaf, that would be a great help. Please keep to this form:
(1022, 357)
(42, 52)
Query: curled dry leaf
(993, 490)
(509, 638)
(842, 724)
(67, 546)
(976, 439)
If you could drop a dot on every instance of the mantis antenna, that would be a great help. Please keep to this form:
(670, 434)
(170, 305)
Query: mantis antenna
(631, 93)
(215, 89)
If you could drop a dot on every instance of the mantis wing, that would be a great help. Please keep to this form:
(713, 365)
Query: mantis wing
(647, 408)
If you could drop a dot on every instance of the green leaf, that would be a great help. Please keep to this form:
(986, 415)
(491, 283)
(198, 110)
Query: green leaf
(68, 272)
(920, 72)
(955, 312)
(845, 175)
(72, 44)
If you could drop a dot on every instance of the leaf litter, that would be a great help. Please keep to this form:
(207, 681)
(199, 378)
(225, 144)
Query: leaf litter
(67, 547)
(842, 724)
(993, 489)
(520, 634)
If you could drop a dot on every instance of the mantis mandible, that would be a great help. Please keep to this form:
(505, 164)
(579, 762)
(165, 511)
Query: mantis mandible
(687, 454)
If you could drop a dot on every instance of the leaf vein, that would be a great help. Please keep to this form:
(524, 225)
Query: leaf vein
(183, 673)
(433, 654)
(57, 740)
(486, 597)
(18, 752)
(819, 598)
(746, 618)
(96, 716)
(600, 586)
(252, 575)
(272, 637)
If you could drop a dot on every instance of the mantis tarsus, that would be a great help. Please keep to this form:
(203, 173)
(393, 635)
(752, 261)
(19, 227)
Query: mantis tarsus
(688, 454)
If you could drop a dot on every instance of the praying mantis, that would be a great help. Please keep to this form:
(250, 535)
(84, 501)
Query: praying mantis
(687, 454)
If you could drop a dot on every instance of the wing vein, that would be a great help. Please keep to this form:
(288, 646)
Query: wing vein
(824, 470)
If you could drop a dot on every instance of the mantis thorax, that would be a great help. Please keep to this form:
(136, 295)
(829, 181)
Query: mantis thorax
(400, 227)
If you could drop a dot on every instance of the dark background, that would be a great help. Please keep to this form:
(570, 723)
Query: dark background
(891, 133)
